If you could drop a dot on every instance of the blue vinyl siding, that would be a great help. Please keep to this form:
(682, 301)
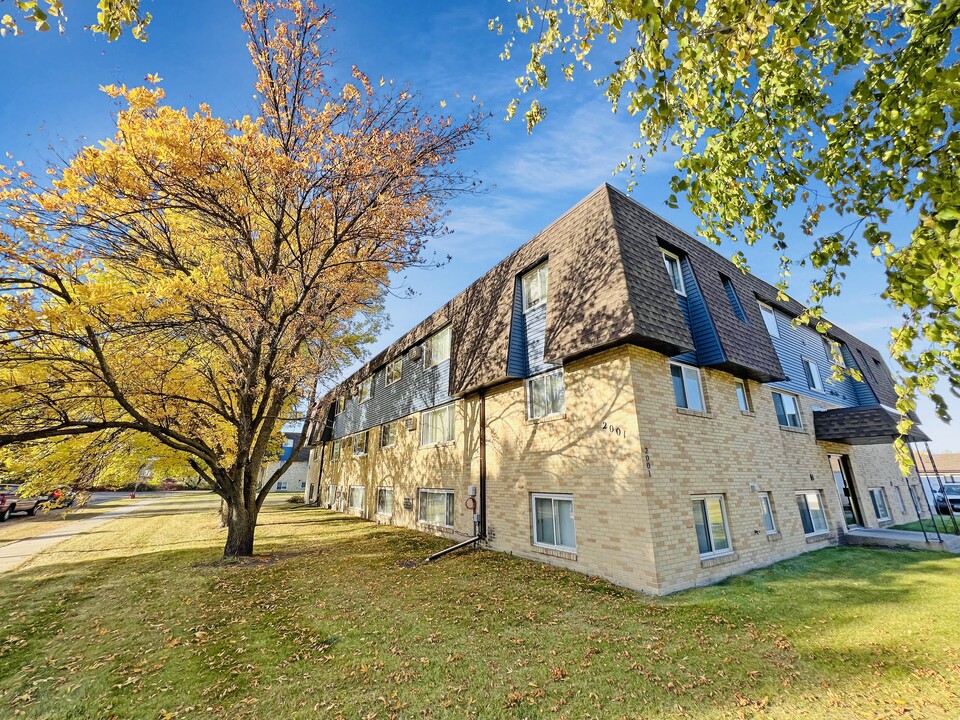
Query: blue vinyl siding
(517, 354)
(419, 388)
(865, 395)
(796, 343)
(734, 299)
(697, 317)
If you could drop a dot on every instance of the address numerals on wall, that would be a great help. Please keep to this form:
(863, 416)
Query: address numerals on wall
(615, 430)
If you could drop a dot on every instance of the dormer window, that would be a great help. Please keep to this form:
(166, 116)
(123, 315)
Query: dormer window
(535, 287)
(366, 390)
(672, 263)
(769, 319)
(437, 347)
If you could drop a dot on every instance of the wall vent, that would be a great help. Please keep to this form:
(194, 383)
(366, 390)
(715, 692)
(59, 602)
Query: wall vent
(411, 423)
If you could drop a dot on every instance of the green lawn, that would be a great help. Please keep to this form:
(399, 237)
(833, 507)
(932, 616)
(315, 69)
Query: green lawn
(943, 523)
(336, 620)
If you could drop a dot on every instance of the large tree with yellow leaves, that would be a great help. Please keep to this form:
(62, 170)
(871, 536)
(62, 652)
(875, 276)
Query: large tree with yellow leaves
(194, 279)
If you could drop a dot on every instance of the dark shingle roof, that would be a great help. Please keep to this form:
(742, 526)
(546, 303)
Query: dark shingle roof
(861, 426)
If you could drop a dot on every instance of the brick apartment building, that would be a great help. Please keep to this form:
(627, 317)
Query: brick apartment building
(617, 398)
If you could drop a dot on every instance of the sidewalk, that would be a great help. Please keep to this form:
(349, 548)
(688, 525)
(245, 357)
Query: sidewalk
(17, 553)
(902, 538)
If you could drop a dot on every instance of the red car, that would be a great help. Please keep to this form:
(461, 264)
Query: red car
(11, 502)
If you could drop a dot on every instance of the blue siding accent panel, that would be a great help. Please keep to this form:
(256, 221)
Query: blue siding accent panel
(689, 358)
(796, 343)
(865, 395)
(698, 319)
(517, 352)
(418, 388)
(535, 327)
(734, 300)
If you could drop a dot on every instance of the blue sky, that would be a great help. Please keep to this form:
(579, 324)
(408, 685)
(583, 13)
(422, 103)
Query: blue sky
(50, 99)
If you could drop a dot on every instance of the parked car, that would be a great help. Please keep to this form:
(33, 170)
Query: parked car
(951, 494)
(11, 502)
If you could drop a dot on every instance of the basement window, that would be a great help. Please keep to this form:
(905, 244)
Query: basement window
(553, 525)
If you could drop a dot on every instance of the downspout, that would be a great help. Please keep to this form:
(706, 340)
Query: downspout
(482, 534)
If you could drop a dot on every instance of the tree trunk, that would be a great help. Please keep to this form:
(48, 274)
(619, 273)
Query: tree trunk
(241, 524)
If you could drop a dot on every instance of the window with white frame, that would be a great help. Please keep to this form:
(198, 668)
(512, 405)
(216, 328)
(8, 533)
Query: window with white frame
(743, 397)
(534, 284)
(879, 498)
(903, 507)
(834, 355)
(672, 263)
(360, 443)
(437, 347)
(435, 507)
(812, 373)
(812, 517)
(355, 498)
(388, 434)
(545, 395)
(553, 524)
(280, 485)
(341, 405)
(394, 371)
(331, 494)
(686, 387)
(385, 501)
(766, 510)
(335, 451)
(438, 425)
(366, 390)
(769, 319)
(710, 519)
(788, 410)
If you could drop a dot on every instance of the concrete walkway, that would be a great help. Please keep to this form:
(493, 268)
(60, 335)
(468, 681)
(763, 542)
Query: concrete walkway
(880, 537)
(17, 553)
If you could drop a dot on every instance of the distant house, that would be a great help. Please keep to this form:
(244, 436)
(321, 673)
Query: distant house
(295, 478)
(617, 398)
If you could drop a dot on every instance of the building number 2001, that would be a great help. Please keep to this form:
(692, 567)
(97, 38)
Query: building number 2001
(612, 428)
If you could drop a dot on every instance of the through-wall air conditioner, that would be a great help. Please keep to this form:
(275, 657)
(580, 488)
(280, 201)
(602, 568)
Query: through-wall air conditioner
(355, 390)
(416, 352)
(411, 423)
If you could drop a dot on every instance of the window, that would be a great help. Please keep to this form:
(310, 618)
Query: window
(811, 513)
(437, 425)
(438, 347)
(834, 355)
(903, 507)
(812, 372)
(733, 298)
(385, 501)
(335, 452)
(743, 399)
(710, 518)
(341, 405)
(769, 319)
(788, 410)
(436, 507)
(360, 442)
(686, 387)
(766, 509)
(879, 498)
(672, 263)
(534, 285)
(553, 525)
(280, 486)
(545, 395)
(355, 501)
(366, 390)
(394, 371)
(388, 434)
(331, 494)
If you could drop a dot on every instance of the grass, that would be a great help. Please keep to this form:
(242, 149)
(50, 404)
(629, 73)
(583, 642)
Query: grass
(943, 523)
(336, 619)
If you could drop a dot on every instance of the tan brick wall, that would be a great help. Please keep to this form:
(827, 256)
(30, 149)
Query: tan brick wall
(633, 463)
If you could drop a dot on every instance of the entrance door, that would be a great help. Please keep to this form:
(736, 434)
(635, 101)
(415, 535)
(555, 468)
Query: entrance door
(840, 465)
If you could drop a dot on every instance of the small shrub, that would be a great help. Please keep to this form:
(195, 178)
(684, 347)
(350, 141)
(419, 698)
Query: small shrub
(295, 499)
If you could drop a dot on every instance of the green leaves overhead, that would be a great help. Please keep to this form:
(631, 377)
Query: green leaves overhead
(841, 105)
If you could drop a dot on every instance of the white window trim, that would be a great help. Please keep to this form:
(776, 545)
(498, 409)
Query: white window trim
(363, 497)
(423, 425)
(561, 411)
(796, 401)
(683, 368)
(823, 509)
(769, 506)
(396, 361)
(726, 526)
(445, 491)
(368, 384)
(533, 519)
(523, 294)
(366, 449)
(667, 254)
(814, 369)
(746, 396)
(431, 361)
(382, 434)
(336, 449)
(340, 406)
(773, 316)
(886, 503)
(377, 509)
